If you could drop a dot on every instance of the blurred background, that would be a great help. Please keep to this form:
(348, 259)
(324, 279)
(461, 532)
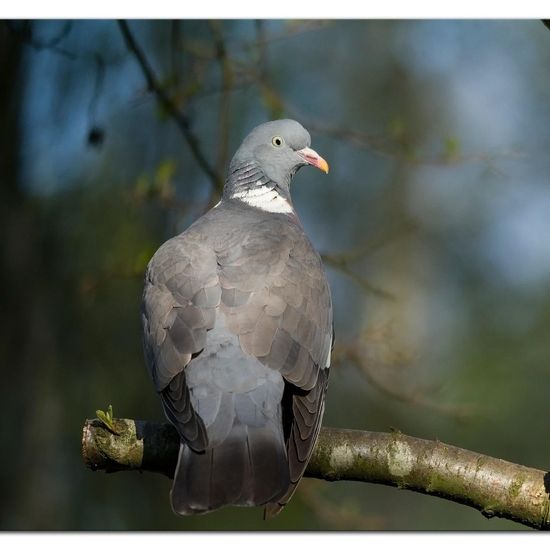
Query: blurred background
(434, 223)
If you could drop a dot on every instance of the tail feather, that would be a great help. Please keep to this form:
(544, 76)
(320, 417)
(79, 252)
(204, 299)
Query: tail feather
(249, 468)
(228, 469)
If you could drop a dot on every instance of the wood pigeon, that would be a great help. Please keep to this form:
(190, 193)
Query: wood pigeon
(237, 326)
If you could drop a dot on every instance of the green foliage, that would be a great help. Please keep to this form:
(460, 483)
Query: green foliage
(107, 418)
(452, 149)
(160, 185)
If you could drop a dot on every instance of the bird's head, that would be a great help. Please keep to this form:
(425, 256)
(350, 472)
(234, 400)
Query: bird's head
(271, 154)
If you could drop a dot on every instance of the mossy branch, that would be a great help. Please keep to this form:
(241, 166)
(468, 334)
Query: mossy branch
(495, 487)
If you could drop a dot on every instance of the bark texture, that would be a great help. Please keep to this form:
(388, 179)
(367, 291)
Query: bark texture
(495, 487)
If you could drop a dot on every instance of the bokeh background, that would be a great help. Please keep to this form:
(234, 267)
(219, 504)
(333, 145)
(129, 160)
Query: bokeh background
(434, 223)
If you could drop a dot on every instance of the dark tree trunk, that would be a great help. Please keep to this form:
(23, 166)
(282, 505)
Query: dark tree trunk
(26, 331)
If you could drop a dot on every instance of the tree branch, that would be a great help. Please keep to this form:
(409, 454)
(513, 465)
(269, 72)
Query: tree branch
(181, 120)
(495, 487)
(342, 265)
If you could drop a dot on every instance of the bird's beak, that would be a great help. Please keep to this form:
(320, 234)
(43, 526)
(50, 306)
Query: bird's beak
(311, 157)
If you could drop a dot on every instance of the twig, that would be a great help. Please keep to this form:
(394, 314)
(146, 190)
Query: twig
(99, 79)
(295, 31)
(342, 266)
(495, 487)
(460, 412)
(391, 147)
(374, 243)
(181, 120)
(225, 100)
(261, 50)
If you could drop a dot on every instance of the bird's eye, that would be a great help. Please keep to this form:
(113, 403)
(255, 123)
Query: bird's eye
(277, 141)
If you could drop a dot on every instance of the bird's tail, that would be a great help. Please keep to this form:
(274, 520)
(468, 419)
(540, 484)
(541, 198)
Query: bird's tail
(249, 468)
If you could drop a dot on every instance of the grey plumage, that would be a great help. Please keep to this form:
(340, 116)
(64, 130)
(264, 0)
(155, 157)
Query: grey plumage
(237, 324)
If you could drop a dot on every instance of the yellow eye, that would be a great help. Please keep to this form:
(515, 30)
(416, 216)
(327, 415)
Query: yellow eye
(277, 141)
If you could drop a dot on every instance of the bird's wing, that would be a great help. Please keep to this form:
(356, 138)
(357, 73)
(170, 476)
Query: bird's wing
(270, 285)
(276, 298)
(179, 305)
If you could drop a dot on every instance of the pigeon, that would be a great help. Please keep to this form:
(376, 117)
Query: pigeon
(238, 333)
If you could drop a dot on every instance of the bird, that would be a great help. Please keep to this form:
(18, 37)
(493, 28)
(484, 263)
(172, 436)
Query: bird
(238, 333)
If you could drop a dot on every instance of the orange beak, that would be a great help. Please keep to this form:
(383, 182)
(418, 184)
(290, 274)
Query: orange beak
(311, 157)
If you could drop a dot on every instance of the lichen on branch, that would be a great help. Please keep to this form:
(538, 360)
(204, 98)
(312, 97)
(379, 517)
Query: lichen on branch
(493, 486)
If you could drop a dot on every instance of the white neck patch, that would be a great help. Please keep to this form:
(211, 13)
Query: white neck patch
(268, 200)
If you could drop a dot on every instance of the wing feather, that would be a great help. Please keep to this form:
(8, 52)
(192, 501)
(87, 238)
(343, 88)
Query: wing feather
(180, 298)
(283, 316)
